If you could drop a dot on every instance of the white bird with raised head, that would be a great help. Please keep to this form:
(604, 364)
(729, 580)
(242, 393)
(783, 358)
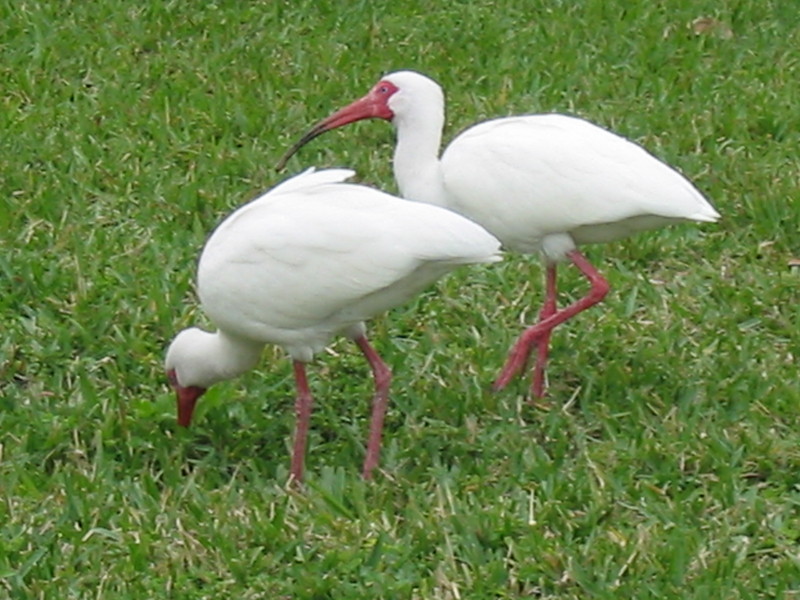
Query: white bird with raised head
(540, 183)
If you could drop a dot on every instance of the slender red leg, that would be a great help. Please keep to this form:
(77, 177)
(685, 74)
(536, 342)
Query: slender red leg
(518, 355)
(383, 378)
(303, 411)
(548, 310)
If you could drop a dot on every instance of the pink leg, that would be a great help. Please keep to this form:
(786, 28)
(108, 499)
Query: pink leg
(303, 410)
(522, 349)
(548, 310)
(383, 377)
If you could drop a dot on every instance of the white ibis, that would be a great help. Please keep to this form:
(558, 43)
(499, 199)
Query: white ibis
(312, 258)
(540, 183)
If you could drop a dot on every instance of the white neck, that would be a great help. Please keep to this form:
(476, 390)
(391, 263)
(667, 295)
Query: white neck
(416, 156)
(202, 359)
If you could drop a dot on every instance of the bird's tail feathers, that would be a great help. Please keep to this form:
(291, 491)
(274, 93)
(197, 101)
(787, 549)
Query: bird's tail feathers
(709, 215)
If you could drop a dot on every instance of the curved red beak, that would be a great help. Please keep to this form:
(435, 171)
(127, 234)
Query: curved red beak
(372, 106)
(186, 398)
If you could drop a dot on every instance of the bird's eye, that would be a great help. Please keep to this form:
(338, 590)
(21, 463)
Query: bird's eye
(384, 89)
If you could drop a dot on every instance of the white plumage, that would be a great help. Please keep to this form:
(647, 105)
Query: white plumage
(312, 258)
(539, 183)
(543, 157)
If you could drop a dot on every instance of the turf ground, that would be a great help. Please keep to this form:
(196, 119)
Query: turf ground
(664, 463)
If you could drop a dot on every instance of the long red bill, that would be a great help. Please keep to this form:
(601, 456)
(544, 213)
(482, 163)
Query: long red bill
(187, 399)
(364, 108)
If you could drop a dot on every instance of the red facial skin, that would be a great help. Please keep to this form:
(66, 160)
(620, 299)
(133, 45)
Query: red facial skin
(186, 398)
(375, 105)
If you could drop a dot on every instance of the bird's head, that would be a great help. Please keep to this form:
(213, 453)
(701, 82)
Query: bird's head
(396, 96)
(184, 372)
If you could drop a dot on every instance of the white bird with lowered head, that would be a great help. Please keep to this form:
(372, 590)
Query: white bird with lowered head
(540, 183)
(312, 258)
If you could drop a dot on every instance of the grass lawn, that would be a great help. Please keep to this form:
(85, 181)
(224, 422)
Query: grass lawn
(664, 464)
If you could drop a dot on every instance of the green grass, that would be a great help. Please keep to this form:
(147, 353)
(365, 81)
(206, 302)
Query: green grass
(665, 462)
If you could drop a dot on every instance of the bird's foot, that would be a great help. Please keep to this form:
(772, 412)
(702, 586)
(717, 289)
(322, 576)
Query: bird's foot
(518, 358)
(538, 387)
(516, 361)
